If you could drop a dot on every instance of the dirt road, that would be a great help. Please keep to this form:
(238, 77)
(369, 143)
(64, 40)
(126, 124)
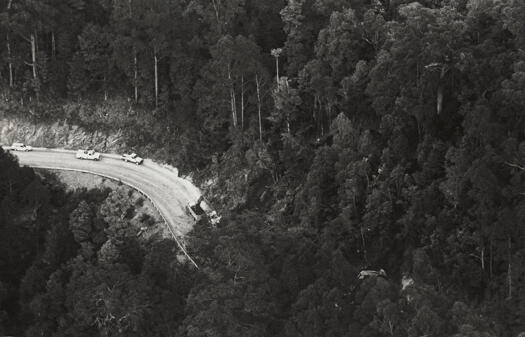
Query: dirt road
(168, 192)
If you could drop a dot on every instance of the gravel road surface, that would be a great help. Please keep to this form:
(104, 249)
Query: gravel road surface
(169, 193)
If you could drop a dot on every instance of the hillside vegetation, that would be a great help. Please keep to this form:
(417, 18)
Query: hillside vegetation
(83, 263)
(392, 139)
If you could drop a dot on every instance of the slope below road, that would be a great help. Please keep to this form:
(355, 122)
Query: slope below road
(168, 192)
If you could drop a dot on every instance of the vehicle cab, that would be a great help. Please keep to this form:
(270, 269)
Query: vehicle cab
(201, 209)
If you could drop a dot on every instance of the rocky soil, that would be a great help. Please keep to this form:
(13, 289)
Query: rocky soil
(58, 135)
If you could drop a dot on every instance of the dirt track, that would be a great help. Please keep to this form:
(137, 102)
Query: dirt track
(168, 192)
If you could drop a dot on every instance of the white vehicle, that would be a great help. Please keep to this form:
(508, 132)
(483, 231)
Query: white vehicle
(88, 154)
(21, 147)
(371, 273)
(132, 158)
(214, 218)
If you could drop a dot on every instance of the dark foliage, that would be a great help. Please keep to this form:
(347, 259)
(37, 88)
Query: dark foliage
(392, 140)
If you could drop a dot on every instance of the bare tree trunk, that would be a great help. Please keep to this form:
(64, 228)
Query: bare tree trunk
(233, 106)
(439, 102)
(242, 102)
(258, 86)
(9, 57)
(156, 79)
(232, 99)
(34, 65)
(364, 245)
(216, 7)
(53, 45)
(10, 64)
(135, 67)
(33, 55)
(105, 89)
(483, 259)
(135, 75)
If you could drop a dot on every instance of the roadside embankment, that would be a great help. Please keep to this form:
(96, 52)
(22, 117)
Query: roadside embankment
(59, 134)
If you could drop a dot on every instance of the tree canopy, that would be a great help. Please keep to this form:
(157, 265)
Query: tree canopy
(334, 136)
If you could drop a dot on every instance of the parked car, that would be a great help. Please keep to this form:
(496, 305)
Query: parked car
(88, 154)
(21, 147)
(132, 158)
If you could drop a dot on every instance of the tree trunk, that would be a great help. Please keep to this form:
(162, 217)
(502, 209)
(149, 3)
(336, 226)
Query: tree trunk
(483, 259)
(33, 55)
(258, 85)
(156, 78)
(135, 67)
(9, 63)
(105, 89)
(232, 99)
(439, 102)
(53, 45)
(364, 245)
(34, 47)
(242, 102)
(9, 58)
(135, 75)
(216, 7)
(233, 106)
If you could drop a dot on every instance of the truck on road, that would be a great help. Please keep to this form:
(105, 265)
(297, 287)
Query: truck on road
(132, 158)
(201, 210)
(87, 154)
(21, 147)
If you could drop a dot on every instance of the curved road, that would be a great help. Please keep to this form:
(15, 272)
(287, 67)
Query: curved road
(169, 193)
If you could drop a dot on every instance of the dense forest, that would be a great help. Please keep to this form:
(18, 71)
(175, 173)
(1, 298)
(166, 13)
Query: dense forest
(76, 264)
(334, 136)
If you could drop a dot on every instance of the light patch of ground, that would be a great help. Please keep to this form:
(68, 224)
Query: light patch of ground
(76, 180)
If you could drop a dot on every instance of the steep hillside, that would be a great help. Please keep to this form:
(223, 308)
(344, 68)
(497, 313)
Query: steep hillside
(367, 156)
(58, 135)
